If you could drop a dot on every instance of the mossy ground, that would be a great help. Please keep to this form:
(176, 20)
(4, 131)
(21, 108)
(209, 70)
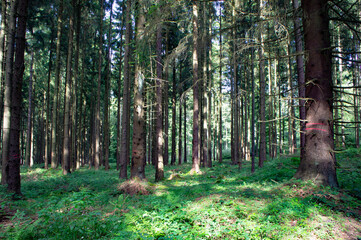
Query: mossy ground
(222, 203)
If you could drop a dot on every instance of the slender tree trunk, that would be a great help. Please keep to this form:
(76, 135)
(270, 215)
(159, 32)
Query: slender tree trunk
(77, 116)
(159, 167)
(138, 156)
(68, 88)
(174, 115)
(185, 128)
(165, 106)
(119, 136)
(195, 142)
(262, 86)
(30, 113)
(124, 152)
(107, 92)
(291, 117)
(97, 108)
(14, 183)
(301, 76)
(8, 93)
(220, 130)
(319, 161)
(3, 31)
(253, 152)
(54, 157)
(180, 130)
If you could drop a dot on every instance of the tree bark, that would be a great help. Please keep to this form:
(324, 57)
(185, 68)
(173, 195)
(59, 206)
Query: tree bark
(54, 131)
(159, 165)
(124, 152)
(68, 88)
(29, 161)
(138, 156)
(14, 182)
(195, 141)
(319, 161)
(8, 92)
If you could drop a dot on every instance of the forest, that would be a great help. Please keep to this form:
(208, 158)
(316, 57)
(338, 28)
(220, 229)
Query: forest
(180, 119)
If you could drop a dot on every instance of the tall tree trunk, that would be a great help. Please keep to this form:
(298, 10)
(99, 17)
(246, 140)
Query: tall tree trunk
(180, 128)
(220, 130)
(138, 156)
(195, 141)
(262, 86)
(97, 108)
(291, 115)
(124, 152)
(159, 165)
(119, 136)
(30, 113)
(185, 128)
(253, 151)
(3, 31)
(174, 115)
(107, 89)
(68, 88)
(319, 161)
(77, 116)
(301, 76)
(54, 157)
(165, 105)
(8, 92)
(16, 99)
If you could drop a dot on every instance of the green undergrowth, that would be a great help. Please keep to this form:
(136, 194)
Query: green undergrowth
(223, 202)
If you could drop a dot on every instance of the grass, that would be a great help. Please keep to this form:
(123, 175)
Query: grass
(222, 203)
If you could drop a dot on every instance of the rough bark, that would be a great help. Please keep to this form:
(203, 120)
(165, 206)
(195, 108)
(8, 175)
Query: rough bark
(319, 161)
(174, 114)
(54, 159)
(29, 161)
(14, 183)
(124, 151)
(67, 98)
(8, 91)
(195, 141)
(159, 165)
(138, 156)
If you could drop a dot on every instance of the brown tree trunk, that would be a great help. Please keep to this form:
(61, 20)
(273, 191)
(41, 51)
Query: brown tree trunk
(97, 149)
(159, 165)
(138, 156)
(262, 86)
(185, 128)
(107, 92)
(195, 142)
(30, 113)
(301, 77)
(174, 115)
(220, 130)
(54, 157)
(124, 152)
(319, 161)
(16, 99)
(8, 92)
(68, 88)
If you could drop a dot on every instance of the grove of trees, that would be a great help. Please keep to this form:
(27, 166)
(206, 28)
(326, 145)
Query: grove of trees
(126, 83)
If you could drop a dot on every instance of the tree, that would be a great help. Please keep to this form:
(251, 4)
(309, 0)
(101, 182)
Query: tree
(195, 141)
(14, 182)
(138, 156)
(319, 161)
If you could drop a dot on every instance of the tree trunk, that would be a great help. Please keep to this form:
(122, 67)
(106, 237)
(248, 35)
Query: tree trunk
(30, 113)
(301, 76)
(16, 99)
(262, 86)
(97, 108)
(159, 165)
(174, 115)
(107, 92)
(185, 128)
(253, 152)
(8, 93)
(138, 156)
(54, 157)
(319, 161)
(68, 88)
(124, 152)
(195, 142)
(220, 135)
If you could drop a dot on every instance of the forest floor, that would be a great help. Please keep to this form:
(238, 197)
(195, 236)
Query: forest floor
(222, 203)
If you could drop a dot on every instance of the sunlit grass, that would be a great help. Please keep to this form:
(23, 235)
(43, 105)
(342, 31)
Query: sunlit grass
(224, 202)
